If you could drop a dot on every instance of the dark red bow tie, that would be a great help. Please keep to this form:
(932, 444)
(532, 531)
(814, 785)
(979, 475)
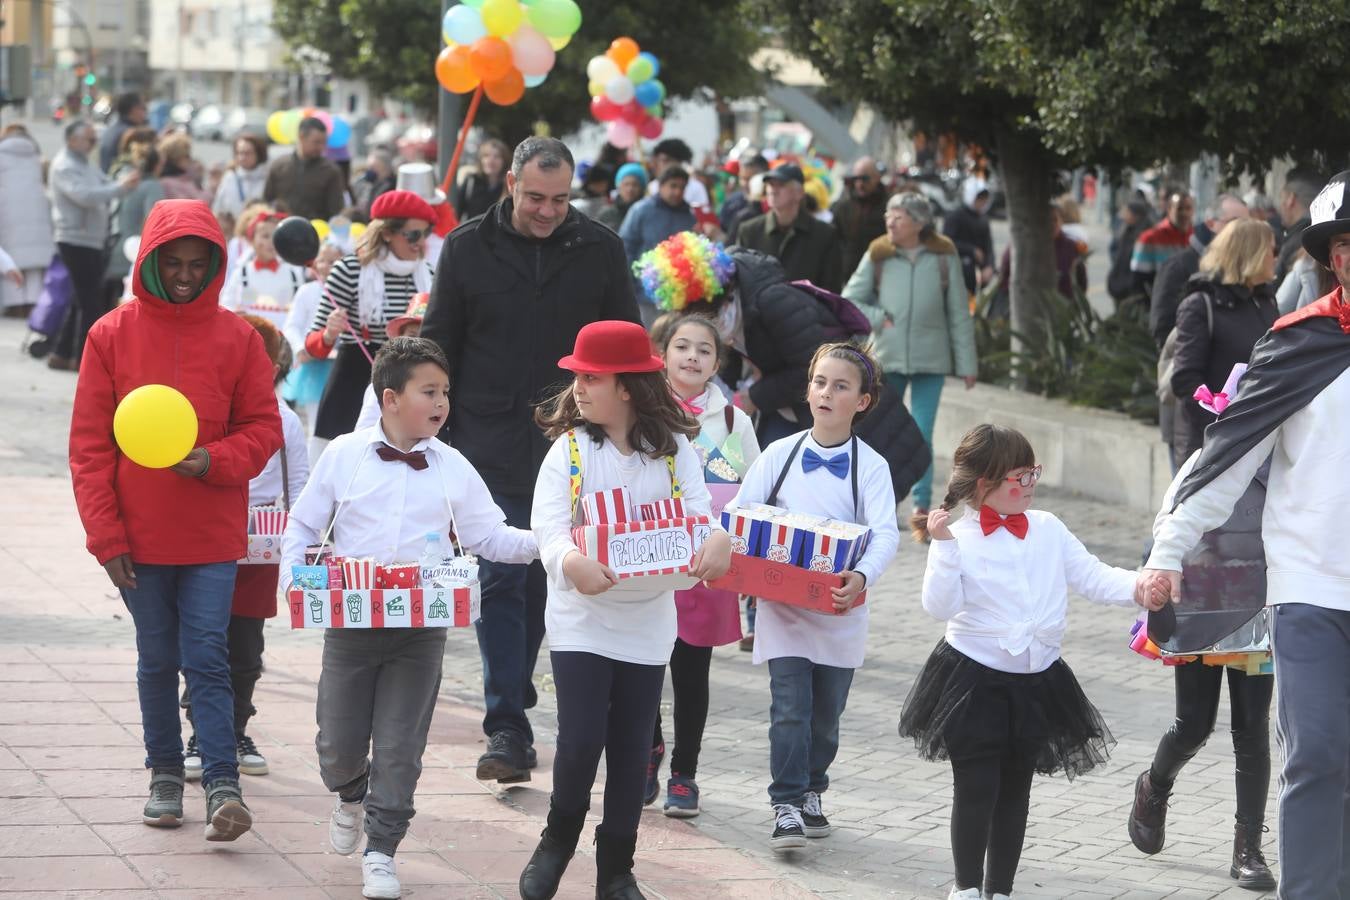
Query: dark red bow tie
(991, 521)
(271, 266)
(415, 458)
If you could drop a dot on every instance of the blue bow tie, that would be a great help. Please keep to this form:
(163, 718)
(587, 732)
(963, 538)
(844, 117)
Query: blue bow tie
(837, 464)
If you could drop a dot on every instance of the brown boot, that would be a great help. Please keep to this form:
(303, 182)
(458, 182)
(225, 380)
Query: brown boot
(1148, 818)
(1249, 866)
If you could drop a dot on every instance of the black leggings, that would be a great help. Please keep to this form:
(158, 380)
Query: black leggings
(604, 706)
(989, 817)
(689, 683)
(87, 299)
(1198, 688)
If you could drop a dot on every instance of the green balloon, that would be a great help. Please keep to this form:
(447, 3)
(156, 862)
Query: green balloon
(473, 4)
(655, 111)
(555, 18)
(640, 69)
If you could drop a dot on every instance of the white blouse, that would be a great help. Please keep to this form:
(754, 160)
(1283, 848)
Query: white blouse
(1005, 600)
(621, 624)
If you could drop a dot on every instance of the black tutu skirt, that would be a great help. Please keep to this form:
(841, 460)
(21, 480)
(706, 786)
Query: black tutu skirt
(963, 709)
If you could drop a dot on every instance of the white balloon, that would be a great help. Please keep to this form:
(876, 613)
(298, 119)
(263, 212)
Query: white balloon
(602, 69)
(131, 246)
(619, 89)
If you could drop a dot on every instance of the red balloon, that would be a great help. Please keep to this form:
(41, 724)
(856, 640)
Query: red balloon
(651, 128)
(632, 113)
(490, 58)
(604, 109)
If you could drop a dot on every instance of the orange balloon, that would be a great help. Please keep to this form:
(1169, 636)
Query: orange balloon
(490, 58)
(623, 51)
(507, 89)
(454, 71)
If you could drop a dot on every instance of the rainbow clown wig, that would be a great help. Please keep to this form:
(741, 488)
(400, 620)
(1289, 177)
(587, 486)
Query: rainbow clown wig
(683, 269)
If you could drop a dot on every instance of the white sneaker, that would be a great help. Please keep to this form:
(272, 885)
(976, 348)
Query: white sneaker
(379, 877)
(967, 894)
(251, 762)
(788, 833)
(192, 761)
(344, 826)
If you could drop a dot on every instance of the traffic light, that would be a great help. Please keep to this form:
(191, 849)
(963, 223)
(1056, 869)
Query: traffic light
(90, 79)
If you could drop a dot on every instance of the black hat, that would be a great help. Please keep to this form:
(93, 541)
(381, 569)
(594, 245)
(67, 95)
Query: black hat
(786, 172)
(1330, 214)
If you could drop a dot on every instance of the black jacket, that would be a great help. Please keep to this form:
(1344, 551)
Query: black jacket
(969, 231)
(859, 223)
(1121, 283)
(475, 196)
(808, 248)
(505, 309)
(1241, 317)
(783, 326)
(1169, 289)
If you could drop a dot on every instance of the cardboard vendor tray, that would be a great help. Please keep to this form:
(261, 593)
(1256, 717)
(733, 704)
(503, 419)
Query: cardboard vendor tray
(263, 550)
(781, 583)
(647, 556)
(456, 607)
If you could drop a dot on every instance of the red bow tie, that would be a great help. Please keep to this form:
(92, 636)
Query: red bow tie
(690, 408)
(991, 521)
(271, 266)
(415, 458)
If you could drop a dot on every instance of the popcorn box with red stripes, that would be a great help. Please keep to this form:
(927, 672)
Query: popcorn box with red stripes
(606, 507)
(657, 510)
(263, 550)
(449, 607)
(782, 583)
(640, 550)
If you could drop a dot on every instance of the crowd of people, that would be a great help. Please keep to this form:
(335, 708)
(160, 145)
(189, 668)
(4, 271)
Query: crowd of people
(803, 362)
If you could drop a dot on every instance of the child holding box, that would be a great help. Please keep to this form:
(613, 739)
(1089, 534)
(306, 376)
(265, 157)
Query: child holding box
(170, 538)
(385, 488)
(828, 472)
(616, 426)
(255, 586)
(706, 617)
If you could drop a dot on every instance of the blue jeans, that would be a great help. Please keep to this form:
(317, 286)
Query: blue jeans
(924, 393)
(808, 700)
(182, 614)
(510, 630)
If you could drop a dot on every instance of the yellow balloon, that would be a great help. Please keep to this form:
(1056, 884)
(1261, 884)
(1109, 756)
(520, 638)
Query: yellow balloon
(501, 17)
(596, 88)
(275, 127)
(321, 227)
(557, 43)
(358, 229)
(155, 426)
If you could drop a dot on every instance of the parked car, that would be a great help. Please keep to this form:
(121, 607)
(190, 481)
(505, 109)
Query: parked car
(208, 123)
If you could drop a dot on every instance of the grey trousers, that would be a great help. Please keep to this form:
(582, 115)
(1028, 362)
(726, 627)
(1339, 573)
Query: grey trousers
(377, 692)
(1312, 687)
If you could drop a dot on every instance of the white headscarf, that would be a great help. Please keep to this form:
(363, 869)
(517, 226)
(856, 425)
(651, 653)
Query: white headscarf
(370, 287)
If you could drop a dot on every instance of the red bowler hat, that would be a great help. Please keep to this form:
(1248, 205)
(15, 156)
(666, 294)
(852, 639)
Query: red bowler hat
(612, 347)
(401, 205)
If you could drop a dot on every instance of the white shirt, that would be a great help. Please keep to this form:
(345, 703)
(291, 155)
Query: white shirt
(266, 485)
(370, 409)
(246, 286)
(301, 314)
(695, 194)
(385, 510)
(626, 625)
(826, 639)
(1303, 523)
(1005, 599)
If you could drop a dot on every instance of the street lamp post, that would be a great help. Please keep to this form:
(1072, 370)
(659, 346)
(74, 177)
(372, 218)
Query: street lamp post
(447, 117)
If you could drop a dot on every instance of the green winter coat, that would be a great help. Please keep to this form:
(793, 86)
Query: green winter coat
(915, 329)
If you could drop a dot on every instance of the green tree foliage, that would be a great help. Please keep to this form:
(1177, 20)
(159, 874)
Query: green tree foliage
(1054, 84)
(392, 44)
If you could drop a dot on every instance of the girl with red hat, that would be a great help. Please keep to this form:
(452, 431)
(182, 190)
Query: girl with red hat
(617, 425)
(364, 291)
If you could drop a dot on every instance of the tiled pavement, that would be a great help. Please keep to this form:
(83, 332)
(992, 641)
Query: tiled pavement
(71, 785)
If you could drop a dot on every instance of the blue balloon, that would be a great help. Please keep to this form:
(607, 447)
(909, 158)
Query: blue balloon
(463, 25)
(656, 64)
(340, 134)
(535, 80)
(648, 93)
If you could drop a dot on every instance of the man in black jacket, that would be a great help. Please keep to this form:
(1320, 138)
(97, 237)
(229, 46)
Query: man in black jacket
(807, 247)
(513, 287)
(1300, 189)
(1169, 288)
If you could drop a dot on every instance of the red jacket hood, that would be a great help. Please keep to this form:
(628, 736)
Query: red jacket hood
(168, 221)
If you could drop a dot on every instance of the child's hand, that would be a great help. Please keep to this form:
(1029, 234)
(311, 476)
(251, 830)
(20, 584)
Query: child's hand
(121, 573)
(845, 596)
(194, 466)
(588, 576)
(712, 559)
(1154, 587)
(937, 524)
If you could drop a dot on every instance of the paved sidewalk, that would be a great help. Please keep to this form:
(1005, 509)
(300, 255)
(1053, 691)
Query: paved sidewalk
(71, 783)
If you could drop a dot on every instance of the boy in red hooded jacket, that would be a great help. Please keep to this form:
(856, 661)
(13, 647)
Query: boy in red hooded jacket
(170, 538)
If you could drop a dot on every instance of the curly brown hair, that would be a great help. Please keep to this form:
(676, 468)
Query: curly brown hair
(658, 417)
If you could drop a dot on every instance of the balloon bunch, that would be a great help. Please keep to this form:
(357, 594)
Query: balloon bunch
(504, 46)
(283, 126)
(626, 93)
(683, 269)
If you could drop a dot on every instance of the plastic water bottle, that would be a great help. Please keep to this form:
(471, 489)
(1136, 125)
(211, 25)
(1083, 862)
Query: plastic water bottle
(432, 564)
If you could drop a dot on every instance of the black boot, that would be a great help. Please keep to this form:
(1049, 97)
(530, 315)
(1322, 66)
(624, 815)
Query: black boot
(614, 868)
(1249, 866)
(557, 843)
(1148, 817)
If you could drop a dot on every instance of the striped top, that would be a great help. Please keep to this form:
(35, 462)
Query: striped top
(341, 291)
(1156, 246)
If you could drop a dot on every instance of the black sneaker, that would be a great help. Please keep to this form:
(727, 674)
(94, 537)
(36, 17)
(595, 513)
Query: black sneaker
(788, 832)
(226, 815)
(654, 774)
(505, 760)
(192, 760)
(814, 822)
(251, 762)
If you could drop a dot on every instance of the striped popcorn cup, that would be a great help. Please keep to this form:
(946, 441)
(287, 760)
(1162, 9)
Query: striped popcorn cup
(359, 574)
(659, 510)
(269, 520)
(606, 507)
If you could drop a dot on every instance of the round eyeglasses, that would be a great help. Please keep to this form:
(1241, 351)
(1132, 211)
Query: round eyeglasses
(1027, 478)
